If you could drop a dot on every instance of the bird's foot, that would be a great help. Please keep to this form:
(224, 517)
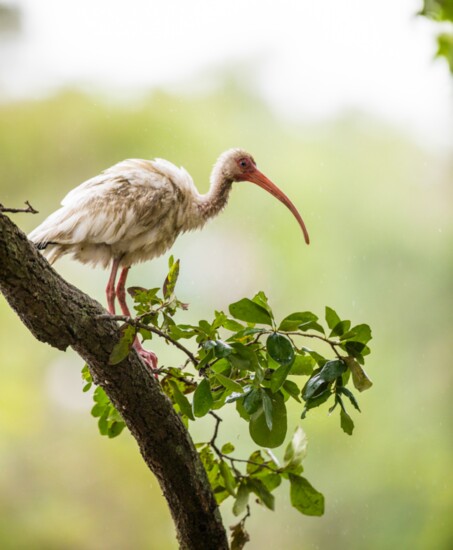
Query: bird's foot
(149, 357)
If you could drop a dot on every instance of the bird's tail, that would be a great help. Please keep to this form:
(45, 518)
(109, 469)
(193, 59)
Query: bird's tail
(50, 238)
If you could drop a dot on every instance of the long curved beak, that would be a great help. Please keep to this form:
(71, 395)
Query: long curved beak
(260, 179)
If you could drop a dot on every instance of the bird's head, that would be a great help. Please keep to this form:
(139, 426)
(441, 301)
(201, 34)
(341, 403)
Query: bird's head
(238, 165)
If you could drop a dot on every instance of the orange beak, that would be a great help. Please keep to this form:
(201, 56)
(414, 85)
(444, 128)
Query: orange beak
(260, 179)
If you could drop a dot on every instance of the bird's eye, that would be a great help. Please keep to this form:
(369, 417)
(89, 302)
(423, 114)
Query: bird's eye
(243, 163)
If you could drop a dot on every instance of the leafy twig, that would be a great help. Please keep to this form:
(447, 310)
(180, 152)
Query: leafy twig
(223, 456)
(138, 324)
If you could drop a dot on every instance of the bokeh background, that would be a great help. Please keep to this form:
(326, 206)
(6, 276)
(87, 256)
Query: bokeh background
(344, 107)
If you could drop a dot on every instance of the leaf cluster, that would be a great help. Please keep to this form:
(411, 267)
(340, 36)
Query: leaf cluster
(247, 360)
(442, 11)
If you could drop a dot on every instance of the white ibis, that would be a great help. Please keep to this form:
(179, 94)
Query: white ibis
(134, 211)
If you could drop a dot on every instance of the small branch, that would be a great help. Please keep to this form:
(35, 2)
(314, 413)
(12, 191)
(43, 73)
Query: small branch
(137, 324)
(28, 210)
(232, 460)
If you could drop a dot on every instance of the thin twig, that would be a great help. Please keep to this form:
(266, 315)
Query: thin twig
(154, 330)
(28, 210)
(232, 460)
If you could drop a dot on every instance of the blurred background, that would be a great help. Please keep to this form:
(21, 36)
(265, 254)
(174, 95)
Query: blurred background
(345, 108)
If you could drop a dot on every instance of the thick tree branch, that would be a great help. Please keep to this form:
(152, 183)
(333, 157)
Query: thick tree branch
(61, 315)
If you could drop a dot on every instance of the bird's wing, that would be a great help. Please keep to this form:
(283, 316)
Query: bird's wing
(121, 203)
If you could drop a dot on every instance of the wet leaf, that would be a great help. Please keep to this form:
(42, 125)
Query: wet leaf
(259, 430)
(252, 401)
(332, 370)
(280, 349)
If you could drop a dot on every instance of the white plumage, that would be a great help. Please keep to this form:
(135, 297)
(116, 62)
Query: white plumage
(135, 210)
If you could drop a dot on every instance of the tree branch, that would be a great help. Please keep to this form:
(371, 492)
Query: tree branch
(61, 315)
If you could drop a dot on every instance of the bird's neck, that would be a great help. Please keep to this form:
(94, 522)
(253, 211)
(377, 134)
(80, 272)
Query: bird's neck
(215, 200)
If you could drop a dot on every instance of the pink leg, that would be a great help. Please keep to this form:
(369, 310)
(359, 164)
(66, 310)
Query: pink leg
(110, 289)
(149, 357)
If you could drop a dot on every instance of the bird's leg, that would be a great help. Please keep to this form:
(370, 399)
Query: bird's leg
(149, 357)
(110, 289)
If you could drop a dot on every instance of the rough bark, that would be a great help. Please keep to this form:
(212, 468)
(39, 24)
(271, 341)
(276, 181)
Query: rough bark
(61, 315)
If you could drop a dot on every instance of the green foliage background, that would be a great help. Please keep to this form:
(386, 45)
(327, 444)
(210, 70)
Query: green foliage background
(377, 207)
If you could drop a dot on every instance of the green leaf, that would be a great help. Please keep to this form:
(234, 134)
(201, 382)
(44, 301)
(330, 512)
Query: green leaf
(267, 407)
(122, 348)
(115, 429)
(202, 399)
(303, 365)
(261, 299)
(296, 450)
(319, 359)
(259, 430)
(359, 333)
(314, 387)
(252, 401)
(230, 481)
(350, 396)
(181, 400)
(359, 376)
(341, 328)
(292, 389)
(297, 320)
(229, 383)
(227, 448)
(171, 279)
(304, 497)
(445, 48)
(232, 325)
(244, 357)
(251, 312)
(316, 401)
(262, 492)
(242, 498)
(280, 349)
(222, 349)
(279, 376)
(332, 370)
(332, 318)
(347, 425)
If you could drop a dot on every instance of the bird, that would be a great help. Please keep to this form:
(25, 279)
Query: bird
(134, 211)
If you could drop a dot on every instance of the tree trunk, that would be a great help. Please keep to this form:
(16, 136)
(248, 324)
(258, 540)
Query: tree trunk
(61, 315)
